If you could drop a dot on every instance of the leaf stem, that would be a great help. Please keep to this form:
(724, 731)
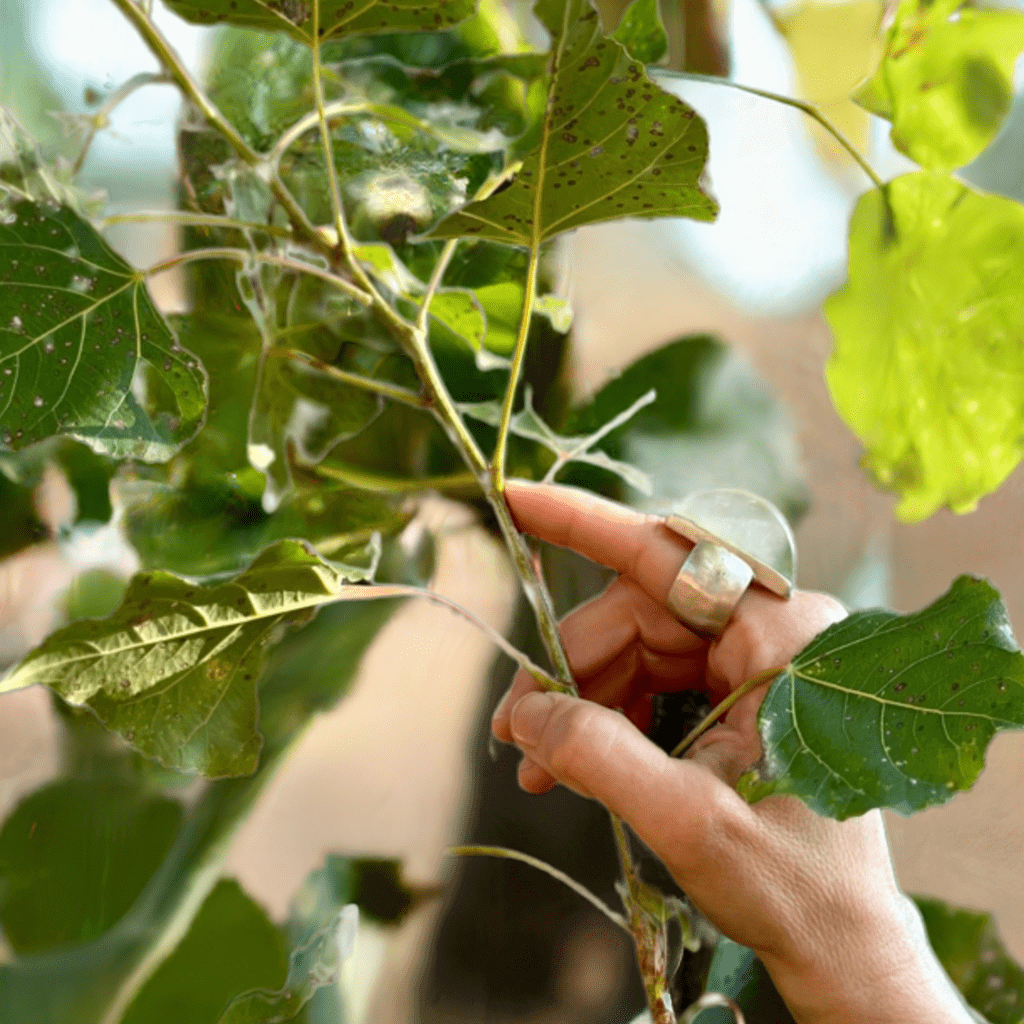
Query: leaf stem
(202, 220)
(380, 387)
(246, 256)
(518, 357)
(540, 865)
(101, 119)
(720, 709)
(435, 282)
(809, 109)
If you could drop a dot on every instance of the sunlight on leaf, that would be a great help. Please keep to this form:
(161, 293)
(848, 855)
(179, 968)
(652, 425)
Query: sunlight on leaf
(946, 79)
(928, 370)
(174, 670)
(896, 711)
(83, 350)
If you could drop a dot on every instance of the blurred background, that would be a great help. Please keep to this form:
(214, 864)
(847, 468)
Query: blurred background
(401, 767)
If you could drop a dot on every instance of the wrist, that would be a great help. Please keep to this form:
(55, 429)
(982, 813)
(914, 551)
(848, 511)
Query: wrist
(882, 972)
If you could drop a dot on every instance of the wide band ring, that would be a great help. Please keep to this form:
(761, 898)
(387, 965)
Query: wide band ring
(739, 538)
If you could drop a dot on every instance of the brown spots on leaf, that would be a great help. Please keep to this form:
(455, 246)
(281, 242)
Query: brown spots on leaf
(590, 62)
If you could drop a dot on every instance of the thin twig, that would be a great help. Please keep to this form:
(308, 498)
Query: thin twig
(187, 218)
(591, 439)
(809, 109)
(101, 119)
(435, 281)
(388, 390)
(720, 709)
(540, 865)
(246, 256)
(377, 591)
(518, 357)
(465, 484)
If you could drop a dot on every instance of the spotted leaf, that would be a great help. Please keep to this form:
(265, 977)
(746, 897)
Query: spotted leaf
(888, 710)
(83, 350)
(613, 144)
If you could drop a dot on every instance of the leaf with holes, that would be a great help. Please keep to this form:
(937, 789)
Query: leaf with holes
(928, 369)
(338, 18)
(83, 350)
(174, 669)
(888, 710)
(946, 79)
(613, 145)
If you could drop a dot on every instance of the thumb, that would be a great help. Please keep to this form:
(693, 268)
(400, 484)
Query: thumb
(599, 753)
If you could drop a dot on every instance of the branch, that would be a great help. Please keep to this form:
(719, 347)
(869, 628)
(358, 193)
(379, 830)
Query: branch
(380, 387)
(464, 484)
(810, 110)
(535, 862)
(246, 256)
(498, 469)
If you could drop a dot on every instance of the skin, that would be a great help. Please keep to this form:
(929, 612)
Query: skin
(815, 898)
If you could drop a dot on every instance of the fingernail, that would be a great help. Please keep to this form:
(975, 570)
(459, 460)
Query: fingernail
(530, 716)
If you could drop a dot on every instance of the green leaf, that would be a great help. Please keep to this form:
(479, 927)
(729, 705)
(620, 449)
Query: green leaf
(76, 327)
(337, 19)
(969, 948)
(613, 145)
(888, 710)
(737, 972)
(928, 370)
(313, 966)
(231, 947)
(714, 423)
(557, 310)
(201, 530)
(945, 80)
(642, 33)
(174, 670)
(74, 856)
(460, 311)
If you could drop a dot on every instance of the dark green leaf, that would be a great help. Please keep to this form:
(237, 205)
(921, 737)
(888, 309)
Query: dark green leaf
(714, 423)
(888, 710)
(231, 947)
(313, 966)
(202, 530)
(945, 80)
(737, 972)
(76, 326)
(927, 369)
(337, 18)
(642, 33)
(969, 948)
(74, 856)
(174, 670)
(613, 145)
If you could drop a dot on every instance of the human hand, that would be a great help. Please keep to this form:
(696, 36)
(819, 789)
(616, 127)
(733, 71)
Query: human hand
(815, 898)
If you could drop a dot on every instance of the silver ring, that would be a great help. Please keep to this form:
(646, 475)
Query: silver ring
(738, 538)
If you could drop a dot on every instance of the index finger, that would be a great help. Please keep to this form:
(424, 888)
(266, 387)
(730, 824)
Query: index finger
(636, 545)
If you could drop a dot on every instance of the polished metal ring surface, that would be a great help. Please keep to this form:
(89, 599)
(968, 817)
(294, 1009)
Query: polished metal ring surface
(739, 538)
